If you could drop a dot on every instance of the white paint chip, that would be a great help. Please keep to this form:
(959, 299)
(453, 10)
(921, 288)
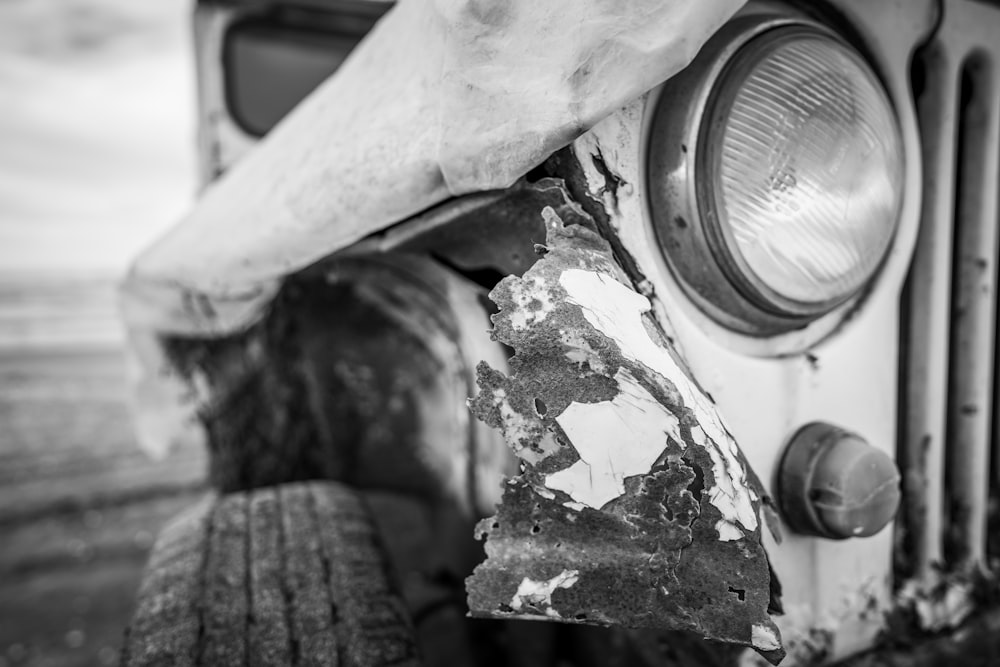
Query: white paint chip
(615, 439)
(763, 637)
(543, 492)
(517, 430)
(538, 594)
(728, 531)
(580, 351)
(532, 300)
(616, 311)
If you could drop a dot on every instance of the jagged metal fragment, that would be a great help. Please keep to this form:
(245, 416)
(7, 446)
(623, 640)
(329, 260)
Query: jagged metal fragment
(634, 507)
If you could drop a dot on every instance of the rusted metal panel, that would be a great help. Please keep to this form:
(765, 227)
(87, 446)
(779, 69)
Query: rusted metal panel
(635, 506)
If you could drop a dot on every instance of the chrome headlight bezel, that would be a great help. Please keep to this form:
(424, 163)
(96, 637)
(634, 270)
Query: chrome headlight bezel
(682, 206)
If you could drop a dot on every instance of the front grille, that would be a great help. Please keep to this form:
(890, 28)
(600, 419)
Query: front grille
(947, 449)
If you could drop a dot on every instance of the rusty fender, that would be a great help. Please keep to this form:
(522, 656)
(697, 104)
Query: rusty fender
(635, 506)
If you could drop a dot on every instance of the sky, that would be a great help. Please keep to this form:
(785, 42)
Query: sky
(97, 131)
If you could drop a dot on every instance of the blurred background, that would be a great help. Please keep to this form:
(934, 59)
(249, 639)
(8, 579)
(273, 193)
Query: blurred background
(97, 156)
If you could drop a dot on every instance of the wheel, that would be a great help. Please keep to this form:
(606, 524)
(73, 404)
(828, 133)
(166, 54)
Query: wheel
(289, 575)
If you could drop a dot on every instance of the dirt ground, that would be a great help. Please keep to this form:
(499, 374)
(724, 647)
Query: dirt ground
(79, 505)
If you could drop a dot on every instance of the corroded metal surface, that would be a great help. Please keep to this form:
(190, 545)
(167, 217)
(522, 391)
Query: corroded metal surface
(635, 507)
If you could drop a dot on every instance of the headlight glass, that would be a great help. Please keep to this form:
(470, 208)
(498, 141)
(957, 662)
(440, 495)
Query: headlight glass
(801, 172)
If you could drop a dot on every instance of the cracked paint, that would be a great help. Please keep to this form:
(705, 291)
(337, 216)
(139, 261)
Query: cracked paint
(611, 438)
(629, 479)
(616, 311)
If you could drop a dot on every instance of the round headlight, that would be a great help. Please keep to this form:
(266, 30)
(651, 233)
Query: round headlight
(798, 178)
(803, 171)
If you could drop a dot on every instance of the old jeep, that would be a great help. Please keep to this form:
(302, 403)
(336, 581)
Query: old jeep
(790, 244)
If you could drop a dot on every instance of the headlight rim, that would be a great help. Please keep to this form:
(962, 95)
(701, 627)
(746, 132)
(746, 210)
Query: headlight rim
(688, 231)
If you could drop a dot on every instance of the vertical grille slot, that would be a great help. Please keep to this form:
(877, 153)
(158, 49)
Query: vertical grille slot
(951, 473)
(926, 334)
(973, 317)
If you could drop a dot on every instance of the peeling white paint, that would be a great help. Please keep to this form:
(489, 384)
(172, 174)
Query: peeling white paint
(730, 493)
(543, 492)
(580, 351)
(517, 430)
(615, 439)
(532, 302)
(728, 531)
(764, 638)
(538, 594)
(616, 311)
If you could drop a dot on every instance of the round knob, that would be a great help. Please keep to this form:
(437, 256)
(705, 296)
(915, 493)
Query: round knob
(834, 484)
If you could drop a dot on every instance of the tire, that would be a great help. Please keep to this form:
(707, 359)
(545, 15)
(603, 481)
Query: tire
(289, 575)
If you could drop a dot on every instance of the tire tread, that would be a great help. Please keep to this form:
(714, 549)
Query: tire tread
(277, 576)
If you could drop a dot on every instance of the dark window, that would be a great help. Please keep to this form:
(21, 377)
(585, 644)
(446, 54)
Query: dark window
(272, 62)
